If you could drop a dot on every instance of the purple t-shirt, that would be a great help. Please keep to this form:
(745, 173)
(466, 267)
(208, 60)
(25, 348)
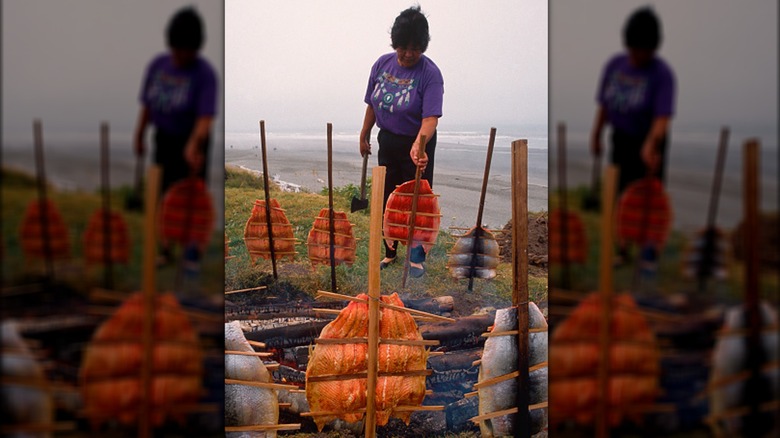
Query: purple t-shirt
(402, 97)
(633, 97)
(176, 97)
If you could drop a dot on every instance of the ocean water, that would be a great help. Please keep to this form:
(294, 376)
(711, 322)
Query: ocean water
(457, 151)
(74, 165)
(690, 172)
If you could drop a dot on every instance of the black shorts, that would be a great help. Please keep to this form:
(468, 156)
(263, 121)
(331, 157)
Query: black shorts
(627, 155)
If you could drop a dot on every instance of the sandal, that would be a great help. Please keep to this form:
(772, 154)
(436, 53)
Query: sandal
(416, 272)
(383, 264)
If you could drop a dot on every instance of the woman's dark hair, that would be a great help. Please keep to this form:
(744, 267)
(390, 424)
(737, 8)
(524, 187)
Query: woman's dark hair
(410, 29)
(185, 30)
(642, 30)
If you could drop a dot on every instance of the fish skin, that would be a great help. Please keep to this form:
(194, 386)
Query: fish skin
(247, 405)
(22, 404)
(729, 355)
(486, 244)
(461, 272)
(500, 357)
(482, 261)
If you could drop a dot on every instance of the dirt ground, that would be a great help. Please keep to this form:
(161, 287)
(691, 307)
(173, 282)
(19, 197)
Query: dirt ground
(537, 244)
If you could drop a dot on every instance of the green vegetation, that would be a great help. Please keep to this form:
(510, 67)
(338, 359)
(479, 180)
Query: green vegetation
(669, 279)
(241, 191)
(19, 190)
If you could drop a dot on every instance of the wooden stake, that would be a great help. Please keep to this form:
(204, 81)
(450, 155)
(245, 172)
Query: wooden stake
(263, 427)
(374, 241)
(42, 206)
(332, 224)
(266, 189)
(266, 385)
(413, 213)
(520, 275)
(756, 354)
(108, 265)
(245, 290)
(564, 206)
(478, 230)
(149, 287)
(708, 250)
(326, 294)
(606, 288)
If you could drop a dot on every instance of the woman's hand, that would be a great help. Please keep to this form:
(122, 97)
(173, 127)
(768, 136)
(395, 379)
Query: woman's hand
(194, 156)
(365, 146)
(650, 156)
(421, 162)
(139, 145)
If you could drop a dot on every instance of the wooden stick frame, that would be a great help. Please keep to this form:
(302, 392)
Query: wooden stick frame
(40, 179)
(520, 276)
(326, 294)
(266, 190)
(478, 230)
(373, 340)
(413, 213)
(331, 213)
(606, 288)
(149, 288)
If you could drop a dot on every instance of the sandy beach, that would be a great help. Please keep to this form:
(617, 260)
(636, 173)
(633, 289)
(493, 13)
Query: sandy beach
(75, 166)
(690, 172)
(458, 172)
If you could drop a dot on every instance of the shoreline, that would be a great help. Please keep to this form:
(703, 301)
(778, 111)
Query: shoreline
(459, 188)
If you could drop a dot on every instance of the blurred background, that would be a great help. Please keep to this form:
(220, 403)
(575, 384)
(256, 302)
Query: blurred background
(72, 315)
(687, 347)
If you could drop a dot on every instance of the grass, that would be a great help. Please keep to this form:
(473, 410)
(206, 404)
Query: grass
(19, 190)
(241, 190)
(669, 279)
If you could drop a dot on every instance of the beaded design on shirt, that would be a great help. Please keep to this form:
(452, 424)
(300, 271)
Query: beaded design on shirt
(625, 92)
(391, 92)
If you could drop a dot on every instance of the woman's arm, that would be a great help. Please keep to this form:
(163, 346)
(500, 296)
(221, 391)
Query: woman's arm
(140, 130)
(650, 153)
(427, 129)
(193, 152)
(369, 119)
(596, 146)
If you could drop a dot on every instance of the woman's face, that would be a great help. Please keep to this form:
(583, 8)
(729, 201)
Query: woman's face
(640, 57)
(183, 57)
(408, 56)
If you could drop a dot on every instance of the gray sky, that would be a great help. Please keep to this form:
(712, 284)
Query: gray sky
(78, 62)
(724, 54)
(301, 64)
